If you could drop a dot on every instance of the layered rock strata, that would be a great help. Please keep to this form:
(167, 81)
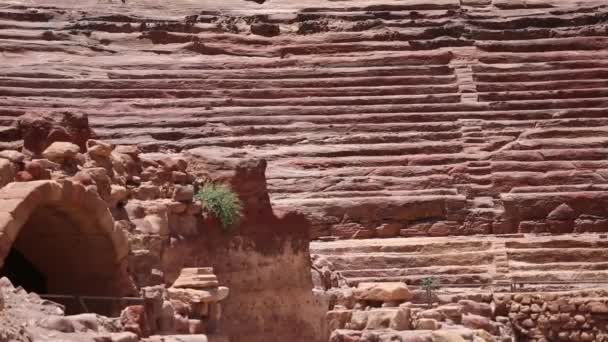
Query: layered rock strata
(555, 262)
(410, 118)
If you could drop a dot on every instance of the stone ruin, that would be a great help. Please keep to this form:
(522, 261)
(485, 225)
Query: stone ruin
(107, 229)
(410, 170)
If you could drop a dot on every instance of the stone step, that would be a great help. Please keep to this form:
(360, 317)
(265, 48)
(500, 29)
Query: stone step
(540, 66)
(369, 114)
(400, 272)
(479, 170)
(195, 90)
(481, 202)
(417, 280)
(540, 57)
(559, 266)
(566, 276)
(225, 101)
(196, 78)
(202, 138)
(538, 76)
(268, 107)
(391, 260)
(560, 188)
(563, 154)
(551, 255)
(590, 83)
(544, 45)
(280, 192)
(559, 242)
(402, 246)
(548, 94)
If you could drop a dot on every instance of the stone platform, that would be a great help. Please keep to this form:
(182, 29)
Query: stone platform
(472, 263)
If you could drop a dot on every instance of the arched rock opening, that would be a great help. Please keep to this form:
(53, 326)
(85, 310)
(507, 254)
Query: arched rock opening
(59, 238)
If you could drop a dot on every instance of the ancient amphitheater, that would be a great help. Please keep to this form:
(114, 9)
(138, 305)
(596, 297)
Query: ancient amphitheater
(409, 170)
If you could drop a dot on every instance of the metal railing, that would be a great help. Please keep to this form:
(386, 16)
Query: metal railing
(81, 300)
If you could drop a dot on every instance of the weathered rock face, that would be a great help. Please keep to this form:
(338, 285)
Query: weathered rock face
(40, 131)
(143, 219)
(535, 288)
(404, 118)
(434, 117)
(265, 262)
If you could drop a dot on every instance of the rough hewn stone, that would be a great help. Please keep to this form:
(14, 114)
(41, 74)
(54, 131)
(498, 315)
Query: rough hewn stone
(59, 152)
(382, 292)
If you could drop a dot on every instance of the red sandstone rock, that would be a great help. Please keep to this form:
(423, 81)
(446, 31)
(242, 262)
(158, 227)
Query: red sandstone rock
(37, 170)
(133, 319)
(562, 212)
(59, 152)
(382, 292)
(498, 128)
(7, 172)
(245, 174)
(40, 131)
(441, 110)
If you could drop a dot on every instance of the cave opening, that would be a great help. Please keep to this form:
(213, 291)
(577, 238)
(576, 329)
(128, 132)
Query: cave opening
(61, 254)
(24, 273)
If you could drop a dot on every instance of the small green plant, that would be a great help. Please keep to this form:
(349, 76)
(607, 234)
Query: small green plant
(429, 284)
(223, 202)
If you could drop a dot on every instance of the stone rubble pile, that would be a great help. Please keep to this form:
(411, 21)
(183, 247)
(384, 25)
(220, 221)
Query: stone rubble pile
(150, 195)
(25, 317)
(384, 312)
(190, 307)
(389, 311)
(559, 316)
(151, 200)
(197, 294)
(162, 318)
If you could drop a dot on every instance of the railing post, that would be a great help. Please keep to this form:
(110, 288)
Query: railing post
(82, 304)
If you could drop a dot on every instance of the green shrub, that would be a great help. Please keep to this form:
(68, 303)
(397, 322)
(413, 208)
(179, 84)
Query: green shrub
(222, 202)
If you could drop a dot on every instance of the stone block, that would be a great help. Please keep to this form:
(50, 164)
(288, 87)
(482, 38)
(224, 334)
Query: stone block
(478, 322)
(380, 318)
(146, 192)
(99, 148)
(597, 307)
(7, 172)
(337, 319)
(443, 228)
(387, 291)
(402, 319)
(61, 151)
(183, 193)
(427, 324)
(388, 230)
(197, 296)
(13, 156)
(477, 308)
